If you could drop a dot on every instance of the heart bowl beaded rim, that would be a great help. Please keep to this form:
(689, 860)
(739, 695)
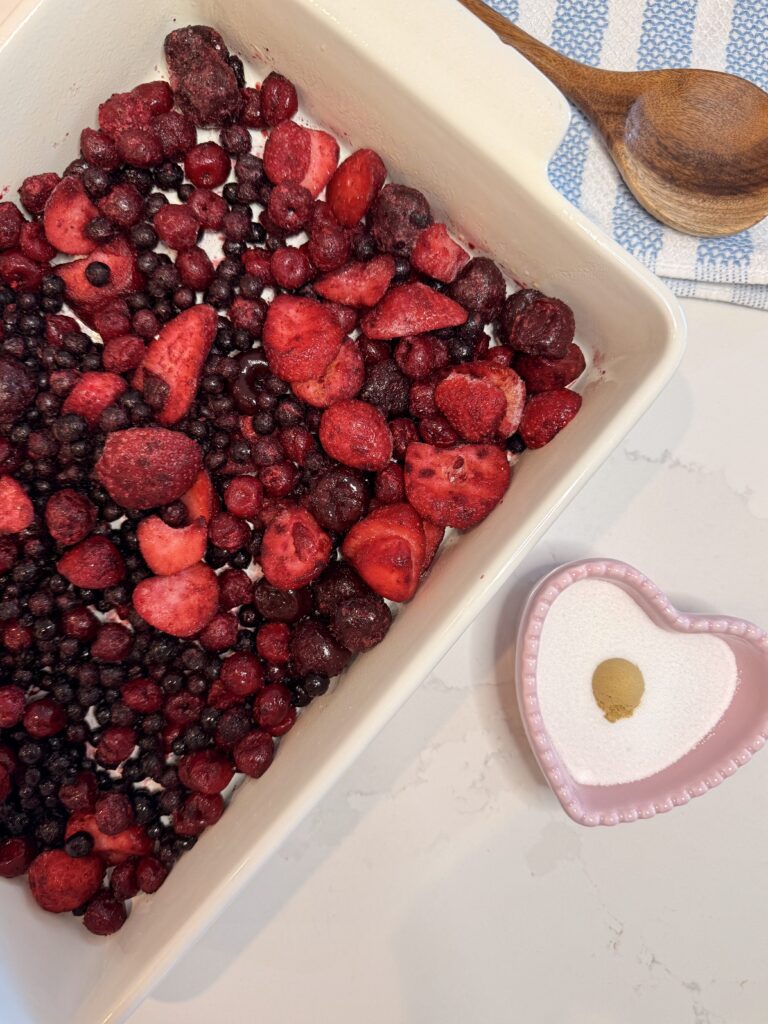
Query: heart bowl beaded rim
(740, 732)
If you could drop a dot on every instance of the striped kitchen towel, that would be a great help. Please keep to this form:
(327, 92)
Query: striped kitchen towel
(723, 35)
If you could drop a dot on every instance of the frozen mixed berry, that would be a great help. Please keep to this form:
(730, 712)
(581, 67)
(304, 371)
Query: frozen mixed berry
(235, 422)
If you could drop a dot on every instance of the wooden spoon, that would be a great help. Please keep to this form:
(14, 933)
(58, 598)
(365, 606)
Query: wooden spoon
(691, 145)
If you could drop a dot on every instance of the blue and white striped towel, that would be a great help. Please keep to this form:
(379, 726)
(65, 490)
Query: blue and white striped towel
(723, 35)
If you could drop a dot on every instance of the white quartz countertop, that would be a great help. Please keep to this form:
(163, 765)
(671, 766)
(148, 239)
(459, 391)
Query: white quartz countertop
(440, 883)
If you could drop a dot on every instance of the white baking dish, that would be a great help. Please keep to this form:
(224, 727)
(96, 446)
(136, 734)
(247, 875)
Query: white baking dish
(472, 124)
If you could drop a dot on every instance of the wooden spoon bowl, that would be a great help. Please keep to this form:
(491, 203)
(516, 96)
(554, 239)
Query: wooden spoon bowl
(691, 145)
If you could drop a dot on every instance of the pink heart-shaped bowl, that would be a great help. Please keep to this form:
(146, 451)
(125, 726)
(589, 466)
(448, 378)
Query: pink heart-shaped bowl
(738, 734)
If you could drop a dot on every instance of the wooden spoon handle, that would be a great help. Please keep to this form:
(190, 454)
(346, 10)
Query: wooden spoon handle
(584, 85)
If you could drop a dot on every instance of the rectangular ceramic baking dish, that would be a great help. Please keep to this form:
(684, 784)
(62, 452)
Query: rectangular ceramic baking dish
(472, 124)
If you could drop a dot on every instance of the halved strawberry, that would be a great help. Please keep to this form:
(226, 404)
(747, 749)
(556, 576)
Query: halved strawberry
(147, 466)
(434, 536)
(61, 883)
(287, 153)
(294, 550)
(124, 276)
(301, 156)
(177, 356)
(437, 255)
(412, 309)
(455, 486)
(181, 604)
(474, 407)
(323, 160)
(546, 414)
(167, 549)
(543, 374)
(67, 213)
(354, 186)
(504, 378)
(300, 338)
(342, 379)
(358, 284)
(94, 563)
(131, 842)
(388, 549)
(356, 434)
(16, 510)
(200, 499)
(93, 393)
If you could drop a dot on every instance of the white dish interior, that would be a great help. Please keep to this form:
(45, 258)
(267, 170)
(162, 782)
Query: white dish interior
(383, 74)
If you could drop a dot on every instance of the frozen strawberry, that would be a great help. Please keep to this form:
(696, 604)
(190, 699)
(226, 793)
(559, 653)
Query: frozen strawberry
(93, 393)
(167, 549)
(412, 309)
(123, 353)
(16, 511)
(546, 414)
(543, 374)
(388, 548)
(356, 434)
(300, 338)
(354, 186)
(507, 381)
(93, 564)
(358, 284)
(69, 516)
(472, 406)
(123, 275)
(342, 379)
(437, 255)
(294, 550)
(323, 160)
(200, 499)
(287, 153)
(434, 536)
(455, 486)
(67, 214)
(177, 356)
(131, 842)
(181, 604)
(62, 883)
(123, 111)
(300, 156)
(147, 466)
(205, 771)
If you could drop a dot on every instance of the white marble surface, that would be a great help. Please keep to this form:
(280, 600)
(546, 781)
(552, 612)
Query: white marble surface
(440, 882)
